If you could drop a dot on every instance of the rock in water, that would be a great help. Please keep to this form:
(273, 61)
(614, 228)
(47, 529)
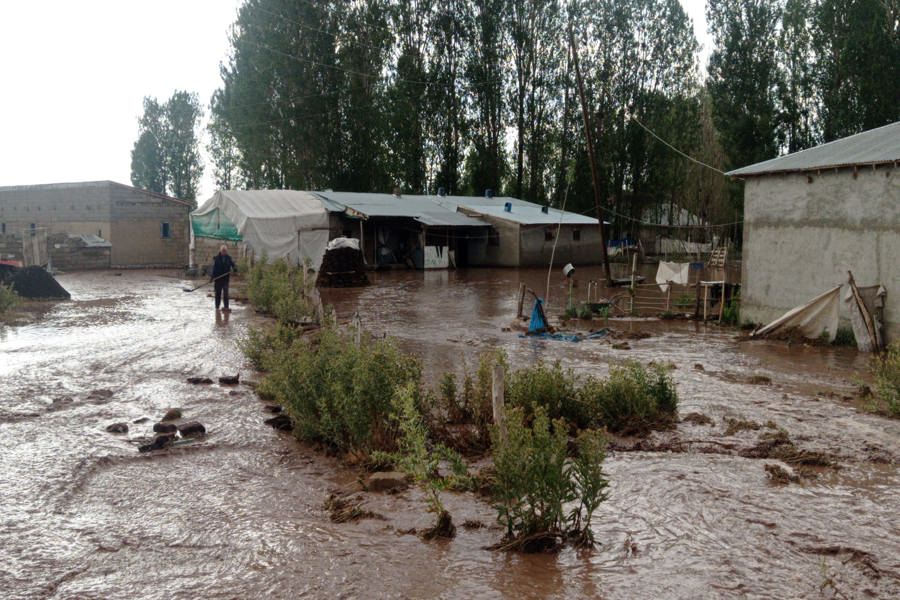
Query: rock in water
(117, 428)
(272, 408)
(172, 414)
(165, 427)
(230, 379)
(387, 481)
(199, 380)
(191, 428)
(160, 441)
(281, 422)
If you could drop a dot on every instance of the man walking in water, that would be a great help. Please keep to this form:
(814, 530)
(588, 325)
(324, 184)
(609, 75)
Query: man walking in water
(222, 269)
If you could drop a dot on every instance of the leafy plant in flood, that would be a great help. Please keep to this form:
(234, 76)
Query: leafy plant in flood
(8, 298)
(886, 389)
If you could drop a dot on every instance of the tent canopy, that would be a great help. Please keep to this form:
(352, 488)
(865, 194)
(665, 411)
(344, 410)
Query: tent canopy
(278, 223)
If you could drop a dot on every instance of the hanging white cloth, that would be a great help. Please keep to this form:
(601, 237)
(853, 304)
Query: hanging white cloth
(672, 272)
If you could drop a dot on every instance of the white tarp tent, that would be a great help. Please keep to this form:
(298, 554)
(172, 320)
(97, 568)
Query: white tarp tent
(814, 319)
(278, 223)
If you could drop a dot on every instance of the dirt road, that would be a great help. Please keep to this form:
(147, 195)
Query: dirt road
(239, 514)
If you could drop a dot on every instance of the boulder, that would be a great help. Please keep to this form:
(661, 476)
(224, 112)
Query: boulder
(172, 414)
(281, 422)
(387, 481)
(165, 427)
(191, 428)
(230, 379)
(117, 428)
(199, 380)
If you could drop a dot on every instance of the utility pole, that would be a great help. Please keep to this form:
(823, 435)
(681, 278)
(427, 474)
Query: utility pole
(590, 148)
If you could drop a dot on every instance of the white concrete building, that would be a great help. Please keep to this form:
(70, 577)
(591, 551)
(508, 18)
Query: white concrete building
(811, 216)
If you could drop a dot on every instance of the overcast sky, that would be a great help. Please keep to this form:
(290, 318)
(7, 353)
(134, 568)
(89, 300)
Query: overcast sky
(73, 75)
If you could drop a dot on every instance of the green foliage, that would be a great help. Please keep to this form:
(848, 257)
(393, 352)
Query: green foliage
(166, 155)
(8, 298)
(633, 400)
(684, 301)
(479, 405)
(341, 394)
(549, 387)
(886, 371)
(266, 347)
(731, 314)
(281, 290)
(534, 482)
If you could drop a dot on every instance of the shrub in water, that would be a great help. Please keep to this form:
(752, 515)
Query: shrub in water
(339, 393)
(632, 400)
(281, 290)
(534, 481)
(886, 370)
(547, 386)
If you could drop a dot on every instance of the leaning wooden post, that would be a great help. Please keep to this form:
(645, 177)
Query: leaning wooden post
(497, 401)
(669, 297)
(357, 324)
(521, 306)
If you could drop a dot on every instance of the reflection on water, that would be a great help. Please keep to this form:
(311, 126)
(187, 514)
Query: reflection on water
(84, 515)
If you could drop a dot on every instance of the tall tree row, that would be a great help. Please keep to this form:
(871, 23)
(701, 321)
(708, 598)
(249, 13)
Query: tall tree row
(470, 95)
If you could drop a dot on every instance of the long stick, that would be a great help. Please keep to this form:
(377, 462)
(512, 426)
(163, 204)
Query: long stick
(590, 148)
(207, 283)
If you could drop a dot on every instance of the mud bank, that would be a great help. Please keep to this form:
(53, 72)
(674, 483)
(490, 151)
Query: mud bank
(239, 513)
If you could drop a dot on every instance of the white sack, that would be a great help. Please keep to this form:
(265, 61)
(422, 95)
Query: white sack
(672, 272)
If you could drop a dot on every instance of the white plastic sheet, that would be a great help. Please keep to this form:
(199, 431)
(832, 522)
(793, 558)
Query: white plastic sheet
(343, 242)
(814, 319)
(279, 223)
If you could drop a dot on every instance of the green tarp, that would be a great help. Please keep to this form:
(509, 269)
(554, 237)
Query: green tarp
(214, 224)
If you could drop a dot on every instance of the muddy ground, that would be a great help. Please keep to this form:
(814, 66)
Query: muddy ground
(239, 513)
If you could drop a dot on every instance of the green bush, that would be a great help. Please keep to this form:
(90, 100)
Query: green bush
(844, 337)
(266, 347)
(632, 400)
(534, 481)
(8, 298)
(281, 290)
(548, 386)
(886, 371)
(340, 394)
(731, 314)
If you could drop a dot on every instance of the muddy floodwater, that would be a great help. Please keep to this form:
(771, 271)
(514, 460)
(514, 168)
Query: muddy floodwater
(239, 513)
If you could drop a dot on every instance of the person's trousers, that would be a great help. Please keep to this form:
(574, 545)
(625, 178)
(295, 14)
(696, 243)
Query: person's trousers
(222, 292)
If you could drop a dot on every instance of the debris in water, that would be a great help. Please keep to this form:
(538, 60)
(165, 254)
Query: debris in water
(473, 524)
(160, 441)
(780, 475)
(736, 425)
(444, 528)
(621, 346)
(342, 509)
(117, 428)
(697, 418)
(199, 380)
(699, 367)
(230, 379)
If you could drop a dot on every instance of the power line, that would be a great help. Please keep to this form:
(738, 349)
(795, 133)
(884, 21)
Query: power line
(690, 158)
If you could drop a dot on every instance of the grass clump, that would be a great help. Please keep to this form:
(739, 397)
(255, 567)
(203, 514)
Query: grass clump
(534, 482)
(9, 299)
(632, 400)
(548, 386)
(886, 386)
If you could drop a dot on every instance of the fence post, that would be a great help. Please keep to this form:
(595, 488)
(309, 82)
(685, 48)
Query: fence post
(521, 306)
(497, 401)
(668, 298)
(357, 324)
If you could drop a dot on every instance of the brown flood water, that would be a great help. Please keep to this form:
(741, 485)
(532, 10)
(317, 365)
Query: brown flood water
(239, 514)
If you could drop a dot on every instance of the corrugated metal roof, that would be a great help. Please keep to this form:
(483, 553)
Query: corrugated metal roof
(420, 208)
(873, 147)
(523, 212)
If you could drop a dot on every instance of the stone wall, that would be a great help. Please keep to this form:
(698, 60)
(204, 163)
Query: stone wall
(802, 234)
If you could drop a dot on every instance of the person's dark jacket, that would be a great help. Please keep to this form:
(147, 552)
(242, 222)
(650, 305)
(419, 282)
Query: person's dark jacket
(222, 264)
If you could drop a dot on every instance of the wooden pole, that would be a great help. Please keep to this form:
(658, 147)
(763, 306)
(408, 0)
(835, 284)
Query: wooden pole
(590, 148)
(497, 400)
(521, 305)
